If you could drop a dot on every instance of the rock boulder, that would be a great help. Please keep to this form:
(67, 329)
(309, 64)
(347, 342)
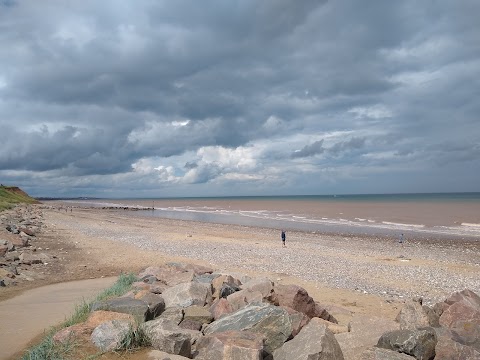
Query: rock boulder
(313, 342)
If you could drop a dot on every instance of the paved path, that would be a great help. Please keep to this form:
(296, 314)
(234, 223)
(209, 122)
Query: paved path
(26, 316)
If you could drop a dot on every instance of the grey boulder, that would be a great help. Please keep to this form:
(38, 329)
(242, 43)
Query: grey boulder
(187, 294)
(110, 335)
(313, 342)
(230, 345)
(419, 343)
(271, 321)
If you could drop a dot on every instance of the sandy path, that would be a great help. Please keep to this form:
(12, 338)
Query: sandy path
(27, 315)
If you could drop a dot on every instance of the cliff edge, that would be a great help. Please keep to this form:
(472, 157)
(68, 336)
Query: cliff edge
(11, 195)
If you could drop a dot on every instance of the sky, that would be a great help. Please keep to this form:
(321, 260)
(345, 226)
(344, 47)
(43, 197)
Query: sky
(239, 97)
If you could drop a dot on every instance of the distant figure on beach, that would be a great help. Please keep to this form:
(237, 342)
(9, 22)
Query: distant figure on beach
(400, 239)
(284, 237)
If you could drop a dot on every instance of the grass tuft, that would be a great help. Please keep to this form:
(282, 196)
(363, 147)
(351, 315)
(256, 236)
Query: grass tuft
(135, 339)
(49, 350)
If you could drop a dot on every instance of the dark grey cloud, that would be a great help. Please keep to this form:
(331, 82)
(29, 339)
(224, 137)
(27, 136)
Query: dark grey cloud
(77, 150)
(310, 150)
(354, 143)
(7, 3)
(191, 165)
(133, 93)
(317, 148)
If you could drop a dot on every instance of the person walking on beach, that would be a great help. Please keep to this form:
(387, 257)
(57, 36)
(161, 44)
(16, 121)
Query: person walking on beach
(400, 239)
(284, 237)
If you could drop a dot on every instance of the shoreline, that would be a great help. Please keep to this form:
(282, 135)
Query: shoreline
(373, 219)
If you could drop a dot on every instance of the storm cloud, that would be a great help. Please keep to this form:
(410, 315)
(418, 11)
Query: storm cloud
(177, 98)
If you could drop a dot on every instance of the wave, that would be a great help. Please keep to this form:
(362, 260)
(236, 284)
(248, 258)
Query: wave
(401, 224)
(475, 225)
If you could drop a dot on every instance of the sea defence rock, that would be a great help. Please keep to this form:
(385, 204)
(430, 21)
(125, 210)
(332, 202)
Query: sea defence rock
(230, 345)
(261, 285)
(298, 320)
(21, 259)
(169, 275)
(198, 313)
(413, 315)
(110, 335)
(156, 304)
(242, 298)
(271, 321)
(162, 355)
(459, 314)
(206, 278)
(191, 324)
(297, 298)
(375, 353)
(462, 319)
(454, 331)
(226, 282)
(167, 336)
(313, 342)
(174, 314)
(95, 319)
(419, 343)
(188, 294)
(467, 296)
(138, 308)
(449, 347)
(267, 321)
(220, 308)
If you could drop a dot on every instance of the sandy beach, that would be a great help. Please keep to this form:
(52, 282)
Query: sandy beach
(367, 275)
(95, 242)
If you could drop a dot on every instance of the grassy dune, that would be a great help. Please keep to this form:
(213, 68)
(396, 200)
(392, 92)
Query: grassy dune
(11, 195)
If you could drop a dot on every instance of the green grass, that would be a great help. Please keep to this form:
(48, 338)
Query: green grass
(135, 339)
(11, 195)
(49, 350)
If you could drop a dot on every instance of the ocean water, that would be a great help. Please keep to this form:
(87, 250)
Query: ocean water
(446, 214)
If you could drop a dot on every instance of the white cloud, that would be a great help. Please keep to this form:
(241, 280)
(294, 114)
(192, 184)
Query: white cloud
(416, 78)
(428, 49)
(166, 174)
(151, 170)
(3, 82)
(383, 155)
(238, 158)
(243, 177)
(373, 112)
(76, 30)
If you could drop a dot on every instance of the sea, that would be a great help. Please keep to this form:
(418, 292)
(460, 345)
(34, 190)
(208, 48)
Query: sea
(429, 215)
